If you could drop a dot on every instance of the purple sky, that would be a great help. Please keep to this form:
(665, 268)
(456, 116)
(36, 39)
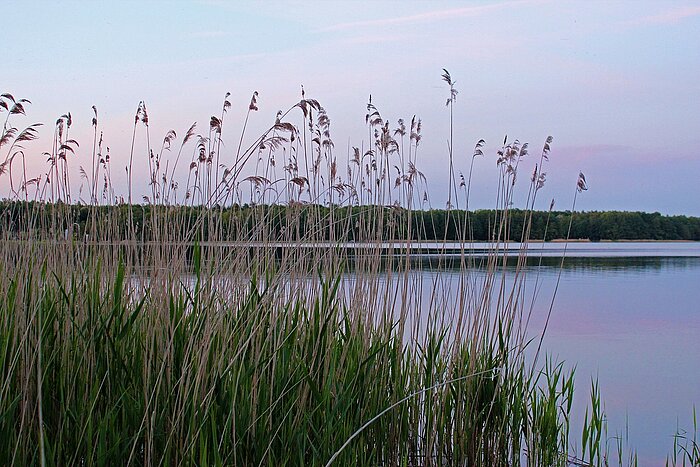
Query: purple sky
(617, 84)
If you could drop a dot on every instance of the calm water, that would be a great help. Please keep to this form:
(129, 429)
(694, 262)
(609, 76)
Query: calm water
(629, 315)
(634, 322)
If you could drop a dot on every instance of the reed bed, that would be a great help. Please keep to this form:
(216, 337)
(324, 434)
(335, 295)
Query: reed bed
(224, 320)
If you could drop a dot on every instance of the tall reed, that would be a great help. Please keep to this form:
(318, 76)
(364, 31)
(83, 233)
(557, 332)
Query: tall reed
(270, 310)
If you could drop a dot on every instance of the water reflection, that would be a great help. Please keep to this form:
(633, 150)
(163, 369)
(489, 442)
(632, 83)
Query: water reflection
(634, 324)
(586, 264)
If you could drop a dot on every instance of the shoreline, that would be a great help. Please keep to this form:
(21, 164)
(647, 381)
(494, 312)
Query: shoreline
(587, 240)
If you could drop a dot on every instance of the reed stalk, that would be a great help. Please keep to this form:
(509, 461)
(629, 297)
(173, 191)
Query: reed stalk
(261, 314)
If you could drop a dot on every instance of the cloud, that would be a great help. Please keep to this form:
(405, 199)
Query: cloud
(428, 16)
(673, 16)
(373, 39)
(624, 155)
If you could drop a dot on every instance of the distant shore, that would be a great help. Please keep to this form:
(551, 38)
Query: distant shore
(587, 240)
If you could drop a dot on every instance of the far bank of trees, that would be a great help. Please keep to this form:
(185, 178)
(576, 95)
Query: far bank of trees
(594, 225)
(356, 223)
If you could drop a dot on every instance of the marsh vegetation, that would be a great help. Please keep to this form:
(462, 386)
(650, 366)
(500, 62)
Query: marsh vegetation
(140, 341)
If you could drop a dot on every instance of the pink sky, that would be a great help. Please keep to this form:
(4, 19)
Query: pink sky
(615, 83)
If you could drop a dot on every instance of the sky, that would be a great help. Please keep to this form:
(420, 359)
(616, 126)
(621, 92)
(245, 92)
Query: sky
(617, 84)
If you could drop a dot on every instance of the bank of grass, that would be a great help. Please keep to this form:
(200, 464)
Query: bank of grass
(137, 344)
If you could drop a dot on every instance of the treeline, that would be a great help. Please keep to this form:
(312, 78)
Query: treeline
(356, 223)
(594, 225)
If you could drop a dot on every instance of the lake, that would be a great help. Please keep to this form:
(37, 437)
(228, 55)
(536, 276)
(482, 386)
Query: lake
(627, 314)
(634, 322)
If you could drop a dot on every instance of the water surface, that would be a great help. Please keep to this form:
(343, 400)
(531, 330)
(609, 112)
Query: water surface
(634, 323)
(628, 314)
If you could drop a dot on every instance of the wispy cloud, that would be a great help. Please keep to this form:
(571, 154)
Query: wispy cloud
(428, 16)
(374, 39)
(673, 16)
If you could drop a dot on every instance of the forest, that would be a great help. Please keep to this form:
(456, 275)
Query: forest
(360, 224)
